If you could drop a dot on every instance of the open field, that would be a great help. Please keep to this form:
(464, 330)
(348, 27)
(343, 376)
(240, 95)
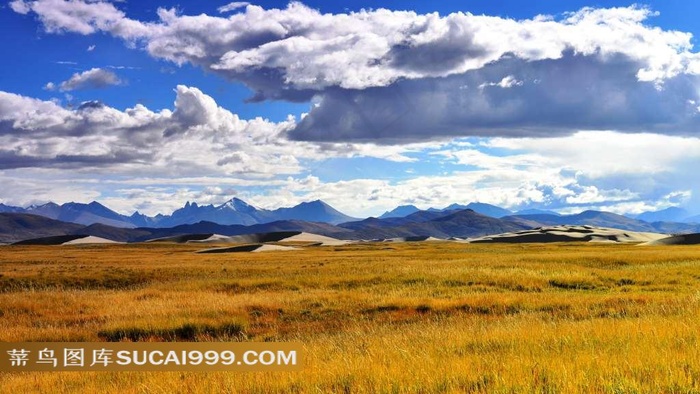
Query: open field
(405, 317)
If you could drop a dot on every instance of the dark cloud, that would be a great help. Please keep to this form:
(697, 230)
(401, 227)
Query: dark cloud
(93, 104)
(550, 97)
(438, 56)
(10, 160)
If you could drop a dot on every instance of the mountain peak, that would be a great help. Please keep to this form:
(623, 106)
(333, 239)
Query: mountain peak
(314, 211)
(191, 205)
(482, 208)
(236, 204)
(400, 211)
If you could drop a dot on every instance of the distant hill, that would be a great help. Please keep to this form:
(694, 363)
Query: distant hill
(478, 207)
(459, 223)
(603, 219)
(118, 234)
(20, 226)
(482, 208)
(416, 217)
(10, 209)
(536, 212)
(692, 219)
(468, 223)
(591, 218)
(672, 214)
(399, 212)
(92, 213)
(314, 211)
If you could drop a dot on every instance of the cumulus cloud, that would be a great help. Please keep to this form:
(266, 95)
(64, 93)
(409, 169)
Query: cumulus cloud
(396, 75)
(375, 48)
(603, 95)
(599, 154)
(197, 136)
(391, 77)
(95, 78)
(166, 153)
(592, 169)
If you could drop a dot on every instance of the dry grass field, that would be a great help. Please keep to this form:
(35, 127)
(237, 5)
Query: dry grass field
(373, 318)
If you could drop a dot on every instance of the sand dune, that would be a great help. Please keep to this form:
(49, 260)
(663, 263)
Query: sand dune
(181, 239)
(260, 242)
(279, 236)
(65, 240)
(90, 240)
(272, 248)
(249, 248)
(570, 234)
(417, 238)
(685, 239)
(316, 239)
(213, 238)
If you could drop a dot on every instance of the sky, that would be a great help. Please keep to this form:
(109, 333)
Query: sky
(367, 105)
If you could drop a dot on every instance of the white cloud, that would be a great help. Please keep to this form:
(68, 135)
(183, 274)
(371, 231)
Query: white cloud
(74, 16)
(233, 6)
(20, 7)
(598, 154)
(197, 137)
(375, 48)
(392, 77)
(94, 78)
(520, 175)
(590, 69)
(505, 83)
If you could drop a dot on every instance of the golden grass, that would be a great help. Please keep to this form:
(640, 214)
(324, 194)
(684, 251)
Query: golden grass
(398, 318)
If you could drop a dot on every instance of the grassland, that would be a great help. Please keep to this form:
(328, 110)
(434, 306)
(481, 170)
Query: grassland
(385, 318)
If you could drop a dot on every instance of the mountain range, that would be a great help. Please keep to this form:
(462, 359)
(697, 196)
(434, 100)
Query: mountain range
(237, 217)
(445, 224)
(456, 223)
(234, 211)
(482, 208)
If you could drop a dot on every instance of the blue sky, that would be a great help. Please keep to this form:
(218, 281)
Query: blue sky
(545, 104)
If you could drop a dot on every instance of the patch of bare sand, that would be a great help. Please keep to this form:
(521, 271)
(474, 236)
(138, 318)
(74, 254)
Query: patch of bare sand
(683, 239)
(570, 234)
(90, 240)
(280, 236)
(315, 238)
(249, 248)
(214, 238)
(275, 248)
(412, 239)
